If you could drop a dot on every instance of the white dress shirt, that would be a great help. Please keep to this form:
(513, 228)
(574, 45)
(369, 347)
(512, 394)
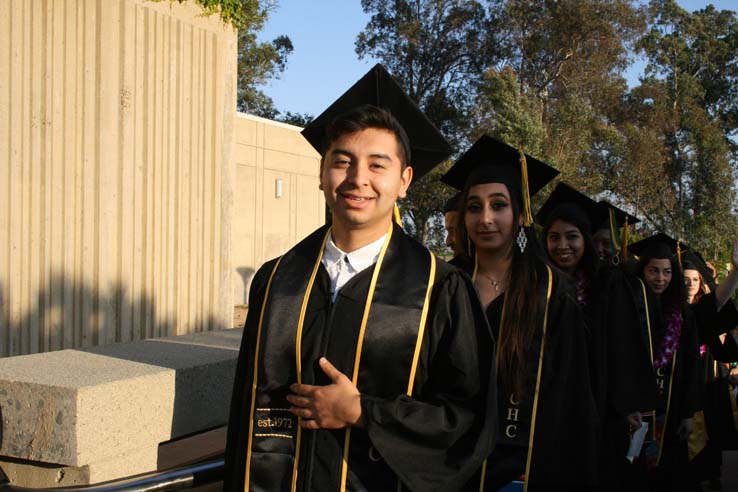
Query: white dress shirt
(342, 266)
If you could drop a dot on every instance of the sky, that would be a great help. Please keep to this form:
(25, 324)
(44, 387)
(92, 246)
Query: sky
(324, 64)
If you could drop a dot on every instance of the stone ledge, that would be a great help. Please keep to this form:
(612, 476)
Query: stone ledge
(107, 409)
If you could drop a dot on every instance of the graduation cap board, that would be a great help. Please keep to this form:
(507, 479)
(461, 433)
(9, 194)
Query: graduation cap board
(677, 248)
(489, 160)
(615, 217)
(565, 195)
(496, 158)
(428, 147)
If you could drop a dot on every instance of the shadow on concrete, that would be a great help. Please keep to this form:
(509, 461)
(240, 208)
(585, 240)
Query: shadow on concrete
(73, 315)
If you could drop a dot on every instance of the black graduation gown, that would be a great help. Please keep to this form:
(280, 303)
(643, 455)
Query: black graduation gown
(563, 418)
(678, 399)
(719, 431)
(430, 440)
(621, 362)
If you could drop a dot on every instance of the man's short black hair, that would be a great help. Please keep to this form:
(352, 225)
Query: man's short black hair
(368, 116)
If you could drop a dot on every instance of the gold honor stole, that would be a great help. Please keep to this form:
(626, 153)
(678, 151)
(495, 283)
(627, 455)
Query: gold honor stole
(401, 282)
(549, 287)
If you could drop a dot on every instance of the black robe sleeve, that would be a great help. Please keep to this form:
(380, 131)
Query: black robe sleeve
(566, 441)
(237, 434)
(436, 438)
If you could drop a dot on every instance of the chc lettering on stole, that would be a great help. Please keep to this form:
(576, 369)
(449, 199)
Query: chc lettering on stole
(512, 417)
(661, 379)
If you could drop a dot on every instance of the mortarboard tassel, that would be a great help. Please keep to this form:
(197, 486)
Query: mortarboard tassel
(624, 243)
(613, 231)
(679, 255)
(396, 215)
(528, 214)
(528, 217)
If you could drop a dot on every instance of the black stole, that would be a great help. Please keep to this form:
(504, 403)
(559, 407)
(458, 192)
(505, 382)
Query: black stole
(386, 344)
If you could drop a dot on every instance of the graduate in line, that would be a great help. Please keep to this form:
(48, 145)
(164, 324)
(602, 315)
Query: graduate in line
(715, 315)
(664, 458)
(366, 363)
(548, 422)
(620, 355)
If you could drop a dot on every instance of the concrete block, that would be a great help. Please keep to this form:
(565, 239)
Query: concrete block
(108, 408)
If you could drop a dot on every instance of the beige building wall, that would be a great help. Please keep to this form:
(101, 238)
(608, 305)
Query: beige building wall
(116, 121)
(266, 225)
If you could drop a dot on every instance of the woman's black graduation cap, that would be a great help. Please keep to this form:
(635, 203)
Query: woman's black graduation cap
(660, 240)
(490, 161)
(615, 217)
(428, 147)
(497, 158)
(565, 195)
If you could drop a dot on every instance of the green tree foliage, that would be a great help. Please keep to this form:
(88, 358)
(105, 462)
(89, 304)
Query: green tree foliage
(687, 102)
(438, 51)
(546, 76)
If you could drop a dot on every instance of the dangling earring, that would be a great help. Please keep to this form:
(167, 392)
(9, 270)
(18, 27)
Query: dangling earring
(522, 240)
(468, 246)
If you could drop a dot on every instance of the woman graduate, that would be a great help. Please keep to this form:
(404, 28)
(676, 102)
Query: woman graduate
(620, 355)
(674, 336)
(548, 422)
(715, 314)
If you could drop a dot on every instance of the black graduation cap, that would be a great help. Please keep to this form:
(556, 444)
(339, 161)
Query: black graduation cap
(656, 240)
(615, 216)
(565, 195)
(498, 159)
(428, 147)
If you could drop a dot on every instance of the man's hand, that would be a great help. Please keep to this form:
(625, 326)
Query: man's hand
(334, 406)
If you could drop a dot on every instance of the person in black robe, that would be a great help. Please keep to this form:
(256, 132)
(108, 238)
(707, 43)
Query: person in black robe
(384, 382)
(664, 458)
(548, 422)
(715, 314)
(620, 356)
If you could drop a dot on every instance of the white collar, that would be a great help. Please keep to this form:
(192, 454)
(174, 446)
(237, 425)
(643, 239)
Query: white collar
(359, 259)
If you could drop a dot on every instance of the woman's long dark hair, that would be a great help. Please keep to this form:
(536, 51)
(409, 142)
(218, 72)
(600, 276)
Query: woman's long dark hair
(571, 214)
(518, 324)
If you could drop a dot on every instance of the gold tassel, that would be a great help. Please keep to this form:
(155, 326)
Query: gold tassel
(613, 232)
(624, 243)
(679, 255)
(397, 216)
(528, 217)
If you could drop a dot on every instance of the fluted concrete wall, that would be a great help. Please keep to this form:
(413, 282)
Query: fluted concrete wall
(266, 225)
(116, 122)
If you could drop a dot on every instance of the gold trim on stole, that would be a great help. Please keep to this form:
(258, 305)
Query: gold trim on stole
(538, 381)
(648, 319)
(668, 405)
(359, 345)
(256, 374)
(298, 350)
(421, 332)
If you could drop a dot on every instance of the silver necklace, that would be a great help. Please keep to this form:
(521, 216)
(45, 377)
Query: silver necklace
(497, 284)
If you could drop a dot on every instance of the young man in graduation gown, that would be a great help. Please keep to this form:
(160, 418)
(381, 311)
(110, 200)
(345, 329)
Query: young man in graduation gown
(365, 362)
